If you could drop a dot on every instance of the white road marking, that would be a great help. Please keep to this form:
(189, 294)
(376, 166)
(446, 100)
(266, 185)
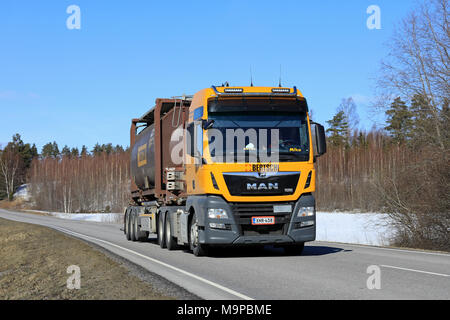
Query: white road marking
(413, 270)
(230, 291)
(382, 248)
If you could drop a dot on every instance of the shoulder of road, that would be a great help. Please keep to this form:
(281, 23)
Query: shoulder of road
(39, 263)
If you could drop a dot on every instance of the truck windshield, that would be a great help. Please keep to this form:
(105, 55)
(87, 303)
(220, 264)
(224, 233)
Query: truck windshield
(256, 136)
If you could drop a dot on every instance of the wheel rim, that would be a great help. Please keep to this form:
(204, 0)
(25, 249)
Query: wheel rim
(160, 229)
(168, 235)
(136, 229)
(194, 234)
(130, 226)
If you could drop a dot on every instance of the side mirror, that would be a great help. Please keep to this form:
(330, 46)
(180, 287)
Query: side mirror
(207, 124)
(320, 147)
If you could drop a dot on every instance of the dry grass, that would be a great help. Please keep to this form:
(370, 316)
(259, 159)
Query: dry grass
(34, 261)
(15, 204)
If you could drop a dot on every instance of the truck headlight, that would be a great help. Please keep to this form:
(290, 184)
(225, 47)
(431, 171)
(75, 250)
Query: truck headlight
(305, 212)
(217, 214)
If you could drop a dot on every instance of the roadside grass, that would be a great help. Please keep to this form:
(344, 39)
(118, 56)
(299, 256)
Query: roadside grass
(34, 262)
(15, 204)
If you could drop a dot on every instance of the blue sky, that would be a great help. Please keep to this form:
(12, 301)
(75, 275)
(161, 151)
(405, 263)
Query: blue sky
(83, 86)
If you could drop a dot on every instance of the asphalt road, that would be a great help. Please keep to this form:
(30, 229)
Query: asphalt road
(326, 270)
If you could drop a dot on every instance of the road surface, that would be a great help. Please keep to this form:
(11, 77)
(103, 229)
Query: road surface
(326, 270)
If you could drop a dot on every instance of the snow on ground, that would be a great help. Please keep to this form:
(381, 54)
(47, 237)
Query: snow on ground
(96, 217)
(357, 228)
(22, 193)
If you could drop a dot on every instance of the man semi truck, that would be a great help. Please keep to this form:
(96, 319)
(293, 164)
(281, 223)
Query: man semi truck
(227, 166)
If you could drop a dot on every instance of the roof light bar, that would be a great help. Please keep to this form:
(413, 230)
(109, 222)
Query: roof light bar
(274, 92)
(281, 90)
(233, 90)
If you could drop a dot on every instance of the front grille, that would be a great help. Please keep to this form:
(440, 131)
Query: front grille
(243, 213)
(250, 184)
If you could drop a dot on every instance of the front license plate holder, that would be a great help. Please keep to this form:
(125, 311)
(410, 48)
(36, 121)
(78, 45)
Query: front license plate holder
(263, 221)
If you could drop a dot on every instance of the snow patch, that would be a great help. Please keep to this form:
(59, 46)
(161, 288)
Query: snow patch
(22, 193)
(358, 228)
(96, 217)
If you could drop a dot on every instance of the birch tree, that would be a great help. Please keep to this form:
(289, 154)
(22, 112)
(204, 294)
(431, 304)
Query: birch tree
(418, 63)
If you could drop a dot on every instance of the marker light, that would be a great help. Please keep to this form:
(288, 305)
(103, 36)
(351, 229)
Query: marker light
(233, 90)
(281, 90)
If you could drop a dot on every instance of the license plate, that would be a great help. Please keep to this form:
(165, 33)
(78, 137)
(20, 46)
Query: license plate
(263, 220)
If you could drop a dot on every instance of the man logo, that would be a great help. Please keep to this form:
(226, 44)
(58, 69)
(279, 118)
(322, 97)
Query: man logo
(262, 174)
(261, 186)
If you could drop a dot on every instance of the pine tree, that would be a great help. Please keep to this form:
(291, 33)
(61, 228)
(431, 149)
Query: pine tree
(98, 149)
(50, 150)
(422, 126)
(75, 152)
(56, 152)
(15, 159)
(338, 130)
(118, 149)
(399, 120)
(25, 150)
(108, 148)
(65, 152)
(84, 151)
(47, 150)
(34, 151)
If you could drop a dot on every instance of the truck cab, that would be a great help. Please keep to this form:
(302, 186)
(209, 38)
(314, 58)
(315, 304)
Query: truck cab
(243, 170)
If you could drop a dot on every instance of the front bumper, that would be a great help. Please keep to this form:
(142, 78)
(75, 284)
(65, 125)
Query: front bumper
(240, 232)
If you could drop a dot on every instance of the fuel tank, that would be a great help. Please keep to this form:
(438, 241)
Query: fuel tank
(143, 159)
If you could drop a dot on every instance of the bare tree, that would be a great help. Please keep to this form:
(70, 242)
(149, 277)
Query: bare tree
(416, 194)
(418, 62)
(348, 107)
(81, 184)
(10, 165)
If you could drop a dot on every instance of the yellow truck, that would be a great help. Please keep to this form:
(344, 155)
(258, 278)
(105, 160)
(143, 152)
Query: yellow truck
(228, 166)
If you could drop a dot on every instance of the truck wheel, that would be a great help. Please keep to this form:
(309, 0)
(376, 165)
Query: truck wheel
(161, 233)
(294, 249)
(197, 248)
(139, 235)
(127, 226)
(131, 226)
(171, 244)
(125, 222)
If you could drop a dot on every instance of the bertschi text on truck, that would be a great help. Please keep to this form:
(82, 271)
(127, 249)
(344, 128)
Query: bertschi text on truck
(228, 166)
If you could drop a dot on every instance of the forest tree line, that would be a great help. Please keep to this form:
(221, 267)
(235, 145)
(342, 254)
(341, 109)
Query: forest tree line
(70, 180)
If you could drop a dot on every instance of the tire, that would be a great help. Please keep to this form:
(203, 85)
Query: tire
(125, 222)
(197, 248)
(139, 235)
(294, 249)
(131, 226)
(161, 231)
(171, 243)
(127, 226)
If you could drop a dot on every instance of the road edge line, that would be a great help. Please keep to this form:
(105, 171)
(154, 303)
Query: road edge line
(211, 283)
